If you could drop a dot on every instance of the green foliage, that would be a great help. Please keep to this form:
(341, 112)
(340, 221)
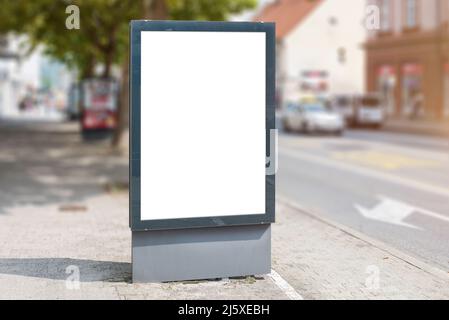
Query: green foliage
(103, 34)
(215, 10)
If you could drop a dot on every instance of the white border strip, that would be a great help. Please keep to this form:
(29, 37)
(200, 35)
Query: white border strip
(284, 286)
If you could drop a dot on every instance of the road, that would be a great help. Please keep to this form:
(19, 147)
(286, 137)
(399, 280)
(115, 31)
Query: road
(392, 187)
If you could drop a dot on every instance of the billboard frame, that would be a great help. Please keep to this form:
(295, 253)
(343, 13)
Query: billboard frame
(136, 27)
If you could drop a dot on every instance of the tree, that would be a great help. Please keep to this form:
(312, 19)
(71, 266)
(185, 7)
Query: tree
(96, 42)
(102, 38)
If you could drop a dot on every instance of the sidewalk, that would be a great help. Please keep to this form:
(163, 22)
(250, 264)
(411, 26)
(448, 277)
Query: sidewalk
(323, 260)
(64, 212)
(38, 246)
(425, 127)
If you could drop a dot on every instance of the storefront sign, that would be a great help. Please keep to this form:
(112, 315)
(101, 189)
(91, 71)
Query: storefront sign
(412, 69)
(99, 104)
(386, 70)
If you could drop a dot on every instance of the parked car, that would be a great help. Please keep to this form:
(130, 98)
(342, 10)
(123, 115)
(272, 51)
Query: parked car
(312, 116)
(344, 104)
(369, 110)
(362, 109)
(73, 105)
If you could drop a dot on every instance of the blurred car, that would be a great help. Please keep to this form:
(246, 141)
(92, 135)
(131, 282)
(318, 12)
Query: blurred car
(362, 109)
(312, 116)
(344, 104)
(73, 106)
(369, 110)
(312, 98)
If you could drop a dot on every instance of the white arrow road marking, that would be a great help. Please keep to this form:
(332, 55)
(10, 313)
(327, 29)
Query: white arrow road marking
(395, 212)
(390, 211)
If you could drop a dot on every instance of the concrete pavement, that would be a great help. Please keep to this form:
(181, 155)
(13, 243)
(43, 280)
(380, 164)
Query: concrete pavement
(64, 217)
(43, 250)
(324, 260)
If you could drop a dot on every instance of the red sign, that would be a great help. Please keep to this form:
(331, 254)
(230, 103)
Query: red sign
(386, 70)
(412, 69)
(103, 119)
(100, 94)
(100, 104)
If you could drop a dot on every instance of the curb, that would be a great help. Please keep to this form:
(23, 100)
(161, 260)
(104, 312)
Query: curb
(375, 243)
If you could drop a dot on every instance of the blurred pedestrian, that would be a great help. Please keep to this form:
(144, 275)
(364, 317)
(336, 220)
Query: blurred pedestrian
(417, 104)
(22, 105)
(26, 104)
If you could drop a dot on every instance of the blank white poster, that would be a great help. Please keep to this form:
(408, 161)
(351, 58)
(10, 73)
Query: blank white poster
(202, 124)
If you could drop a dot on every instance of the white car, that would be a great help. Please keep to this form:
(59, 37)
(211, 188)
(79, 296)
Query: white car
(369, 110)
(312, 117)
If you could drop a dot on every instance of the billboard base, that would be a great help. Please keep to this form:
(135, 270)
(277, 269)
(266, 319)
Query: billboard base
(201, 253)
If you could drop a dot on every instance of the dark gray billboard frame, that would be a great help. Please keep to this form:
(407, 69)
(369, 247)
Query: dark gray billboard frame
(205, 247)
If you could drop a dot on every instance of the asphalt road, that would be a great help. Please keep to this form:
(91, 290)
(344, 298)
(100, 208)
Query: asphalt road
(392, 187)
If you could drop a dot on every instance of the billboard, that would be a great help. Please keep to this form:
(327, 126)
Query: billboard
(99, 100)
(202, 105)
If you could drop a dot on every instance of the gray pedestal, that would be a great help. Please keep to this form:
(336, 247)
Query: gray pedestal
(203, 253)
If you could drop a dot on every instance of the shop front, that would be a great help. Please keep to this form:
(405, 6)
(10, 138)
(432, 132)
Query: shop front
(413, 99)
(411, 72)
(386, 85)
(446, 90)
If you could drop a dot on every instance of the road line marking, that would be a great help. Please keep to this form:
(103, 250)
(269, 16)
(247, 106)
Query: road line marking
(383, 160)
(367, 172)
(430, 154)
(432, 214)
(291, 293)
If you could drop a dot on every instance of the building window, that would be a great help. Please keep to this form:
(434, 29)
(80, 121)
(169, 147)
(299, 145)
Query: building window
(446, 89)
(444, 9)
(411, 13)
(413, 104)
(385, 7)
(333, 21)
(341, 55)
(386, 85)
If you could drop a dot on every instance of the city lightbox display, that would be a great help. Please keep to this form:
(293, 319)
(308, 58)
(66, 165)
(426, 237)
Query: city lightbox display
(202, 106)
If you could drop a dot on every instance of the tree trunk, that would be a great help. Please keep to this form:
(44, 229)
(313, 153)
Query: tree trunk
(108, 63)
(88, 69)
(155, 10)
(123, 111)
(108, 54)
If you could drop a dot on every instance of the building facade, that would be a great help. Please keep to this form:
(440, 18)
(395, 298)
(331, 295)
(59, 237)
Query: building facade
(319, 46)
(30, 75)
(8, 60)
(407, 57)
(19, 73)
